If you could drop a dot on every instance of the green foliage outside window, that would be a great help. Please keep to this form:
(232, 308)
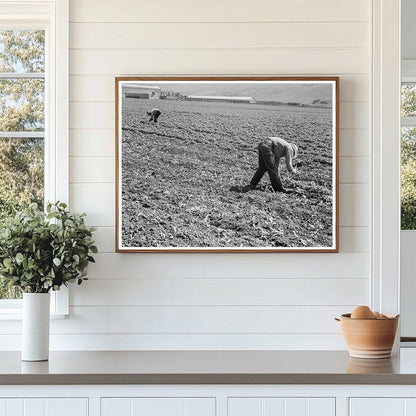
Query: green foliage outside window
(408, 160)
(408, 179)
(21, 110)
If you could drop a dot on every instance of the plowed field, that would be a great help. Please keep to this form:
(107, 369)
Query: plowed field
(182, 177)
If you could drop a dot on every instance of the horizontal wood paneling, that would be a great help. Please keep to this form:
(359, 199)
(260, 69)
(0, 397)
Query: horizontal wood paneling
(202, 319)
(352, 239)
(287, 297)
(89, 169)
(105, 239)
(182, 320)
(92, 115)
(218, 35)
(166, 341)
(219, 62)
(354, 170)
(94, 143)
(354, 142)
(354, 208)
(99, 88)
(354, 115)
(235, 265)
(220, 291)
(96, 199)
(218, 11)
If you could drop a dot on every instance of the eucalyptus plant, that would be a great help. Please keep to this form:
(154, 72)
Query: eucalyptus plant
(42, 251)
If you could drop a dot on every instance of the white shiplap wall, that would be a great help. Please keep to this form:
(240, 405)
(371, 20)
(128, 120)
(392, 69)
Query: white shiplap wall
(218, 301)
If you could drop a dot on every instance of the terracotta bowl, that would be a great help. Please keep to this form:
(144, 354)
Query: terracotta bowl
(369, 338)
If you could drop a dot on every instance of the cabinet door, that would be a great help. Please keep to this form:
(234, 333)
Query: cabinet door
(270, 406)
(160, 406)
(44, 407)
(382, 406)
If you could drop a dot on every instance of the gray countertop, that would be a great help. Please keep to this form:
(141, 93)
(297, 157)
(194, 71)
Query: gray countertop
(208, 367)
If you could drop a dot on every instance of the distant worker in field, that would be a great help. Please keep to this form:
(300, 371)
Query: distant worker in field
(270, 151)
(154, 114)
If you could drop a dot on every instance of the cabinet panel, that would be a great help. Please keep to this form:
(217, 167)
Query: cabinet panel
(270, 406)
(410, 406)
(245, 407)
(67, 407)
(199, 407)
(296, 407)
(275, 407)
(119, 407)
(146, 406)
(34, 407)
(377, 407)
(318, 407)
(157, 407)
(44, 407)
(15, 407)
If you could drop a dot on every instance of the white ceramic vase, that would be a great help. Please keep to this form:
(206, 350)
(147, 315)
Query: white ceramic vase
(35, 326)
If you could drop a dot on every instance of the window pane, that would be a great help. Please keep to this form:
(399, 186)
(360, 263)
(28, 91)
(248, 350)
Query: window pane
(21, 173)
(408, 178)
(22, 104)
(408, 105)
(21, 109)
(22, 51)
(21, 182)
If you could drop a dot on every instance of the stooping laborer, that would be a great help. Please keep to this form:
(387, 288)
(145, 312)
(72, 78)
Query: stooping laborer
(154, 114)
(270, 151)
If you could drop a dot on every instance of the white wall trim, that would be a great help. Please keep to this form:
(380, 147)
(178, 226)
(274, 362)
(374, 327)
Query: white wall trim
(385, 283)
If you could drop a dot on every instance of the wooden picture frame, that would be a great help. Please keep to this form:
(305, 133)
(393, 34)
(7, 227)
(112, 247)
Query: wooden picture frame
(197, 164)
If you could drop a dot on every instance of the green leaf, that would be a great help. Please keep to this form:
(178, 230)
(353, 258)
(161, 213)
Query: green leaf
(37, 255)
(7, 262)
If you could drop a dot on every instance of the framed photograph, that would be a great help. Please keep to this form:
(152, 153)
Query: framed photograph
(227, 164)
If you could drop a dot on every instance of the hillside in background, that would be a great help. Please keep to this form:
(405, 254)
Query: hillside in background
(286, 93)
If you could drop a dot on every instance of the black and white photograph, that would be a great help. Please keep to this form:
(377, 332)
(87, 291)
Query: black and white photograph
(227, 164)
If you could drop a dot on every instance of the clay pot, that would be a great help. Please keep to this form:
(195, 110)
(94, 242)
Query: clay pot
(369, 338)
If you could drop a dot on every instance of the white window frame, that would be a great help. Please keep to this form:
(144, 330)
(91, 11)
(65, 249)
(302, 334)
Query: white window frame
(407, 236)
(385, 98)
(53, 17)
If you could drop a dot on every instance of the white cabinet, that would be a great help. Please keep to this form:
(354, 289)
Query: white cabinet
(44, 407)
(208, 400)
(382, 406)
(146, 406)
(270, 406)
